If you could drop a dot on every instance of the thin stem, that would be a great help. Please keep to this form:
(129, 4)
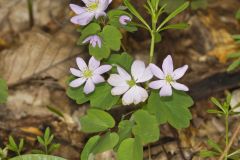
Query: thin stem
(226, 132)
(30, 13)
(152, 47)
(149, 153)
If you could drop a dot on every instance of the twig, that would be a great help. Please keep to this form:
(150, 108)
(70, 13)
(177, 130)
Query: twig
(30, 12)
(230, 143)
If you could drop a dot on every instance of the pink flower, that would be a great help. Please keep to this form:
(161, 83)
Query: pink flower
(94, 8)
(90, 74)
(124, 19)
(168, 77)
(94, 40)
(127, 85)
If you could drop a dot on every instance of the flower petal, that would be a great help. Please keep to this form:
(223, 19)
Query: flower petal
(127, 98)
(77, 9)
(97, 79)
(147, 75)
(82, 19)
(179, 86)
(76, 72)
(137, 69)
(178, 73)
(117, 81)
(89, 87)
(100, 14)
(103, 69)
(156, 71)
(77, 82)
(119, 90)
(166, 90)
(93, 64)
(81, 64)
(157, 84)
(135, 95)
(123, 74)
(86, 40)
(103, 4)
(167, 65)
(142, 93)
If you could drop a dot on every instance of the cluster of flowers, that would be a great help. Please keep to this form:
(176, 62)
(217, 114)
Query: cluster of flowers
(129, 85)
(94, 8)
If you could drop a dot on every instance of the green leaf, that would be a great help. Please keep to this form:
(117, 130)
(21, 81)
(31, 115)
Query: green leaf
(13, 144)
(100, 53)
(171, 5)
(106, 142)
(175, 26)
(3, 91)
(88, 147)
(234, 155)
(207, 154)
(124, 60)
(238, 15)
(174, 14)
(158, 37)
(174, 109)
(37, 157)
(236, 37)
(91, 29)
(40, 140)
(135, 12)
(96, 121)
(147, 127)
(130, 149)
(214, 111)
(78, 95)
(125, 129)
(55, 111)
(102, 97)
(214, 145)
(218, 104)
(234, 55)
(112, 37)
(234, 65)
(114, 16)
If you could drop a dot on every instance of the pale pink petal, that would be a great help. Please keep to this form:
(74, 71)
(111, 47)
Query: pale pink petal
(82, 19)
(119, 90)
(93, 64)
(123, 73)
(103, 69)
(77, 82)
(166, 90)
(89, 87)
(147, 75)
(77, 9)
(156, 71)
(167, 65)
(76, 72)
(100, 14)
(81, 64)
(140, 95)
(97, 79)
(179, 86)
(123, 20)
(157, 84)
(178, 73)
(137, 69)
(88, 2)
(127, 98)
(117, 81)
(86, 40)
(103, 4)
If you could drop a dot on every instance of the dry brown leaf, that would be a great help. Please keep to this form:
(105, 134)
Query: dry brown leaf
(39, 53)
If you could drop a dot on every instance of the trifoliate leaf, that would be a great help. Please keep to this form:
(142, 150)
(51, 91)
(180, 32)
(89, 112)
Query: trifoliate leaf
(37, 157)
(124, 60)
(146, 127)
(3, 91)
(91, 143)
(96, 121)
(112, 37)
(174, 109)
(106, 142)
(100, 53)
(102, 97)
(91, 29)
(78, 95)
(130, 149)
(114, 16)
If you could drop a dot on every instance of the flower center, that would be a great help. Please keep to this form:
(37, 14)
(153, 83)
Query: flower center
(169, 78)
(131, 83)
(87, 73)
(92, 6)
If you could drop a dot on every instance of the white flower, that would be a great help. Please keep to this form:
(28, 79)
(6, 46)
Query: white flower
(168, 77)
(94, 8)
(127, 85)
(90, 74)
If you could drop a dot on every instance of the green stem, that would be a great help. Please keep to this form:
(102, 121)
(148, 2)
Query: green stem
(152, 47)
(30, 12)
(226, 132)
